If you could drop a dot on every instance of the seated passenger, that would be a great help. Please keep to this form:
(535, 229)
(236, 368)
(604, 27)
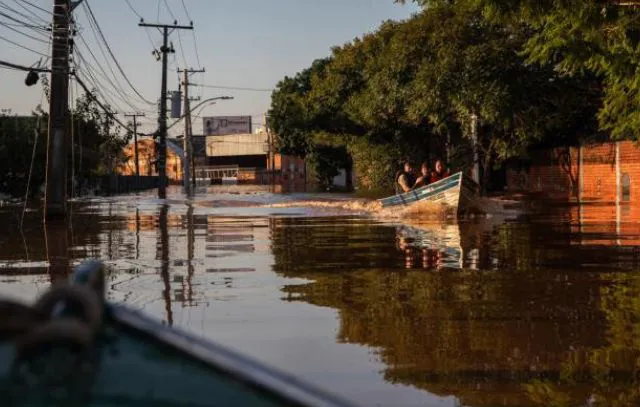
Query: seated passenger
(424, 176)
(405, 179)
(439, 172)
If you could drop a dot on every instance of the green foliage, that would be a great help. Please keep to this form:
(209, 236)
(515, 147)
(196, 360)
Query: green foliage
(325, 163)
(413, 85)
(579, 37)
(97, 146)
(374, 164)
(17, 136)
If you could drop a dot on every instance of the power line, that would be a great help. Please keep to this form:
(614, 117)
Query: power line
(233, 88)
(101, 88)
(169, 10)
(118, 86)
(24, 34)
(193, 32)
(92, 96)
(35, 15)
(184, 58)
(22, 46)
(140, 17)
(22, 67)
(186, 11)
(23, 25)
(97, 26)
(36, 6)
(21, 14)
(15, 20)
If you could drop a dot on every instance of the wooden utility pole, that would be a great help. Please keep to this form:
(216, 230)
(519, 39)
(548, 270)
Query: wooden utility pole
(135, 138)
(56, 177)
(162, 119)
(188, 128)
(271, 153)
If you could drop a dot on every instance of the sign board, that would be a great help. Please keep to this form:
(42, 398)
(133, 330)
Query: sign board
(225, 125)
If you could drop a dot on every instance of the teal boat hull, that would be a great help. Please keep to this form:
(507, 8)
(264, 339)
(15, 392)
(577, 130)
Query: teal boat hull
(137, 361)
(458, 192)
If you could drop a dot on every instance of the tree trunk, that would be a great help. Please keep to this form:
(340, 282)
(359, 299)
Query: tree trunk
(486, 167)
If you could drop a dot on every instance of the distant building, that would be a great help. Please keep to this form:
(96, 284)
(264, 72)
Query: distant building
(147, 158)
(242, 150)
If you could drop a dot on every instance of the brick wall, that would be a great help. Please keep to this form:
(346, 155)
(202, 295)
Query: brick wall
(599, 172)
(556, 173)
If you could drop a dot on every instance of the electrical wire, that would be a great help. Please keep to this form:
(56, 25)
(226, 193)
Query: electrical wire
(96, 26)
(118, 89)
(146, 29)
(169, 10)
(233, 88)
(22, 46)
(15, 20)
(24, 34)
(99, 103)
(36, 6)
(31, 12)
(21, 14)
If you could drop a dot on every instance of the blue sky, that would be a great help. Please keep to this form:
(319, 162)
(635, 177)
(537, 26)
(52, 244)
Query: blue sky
(241, 43)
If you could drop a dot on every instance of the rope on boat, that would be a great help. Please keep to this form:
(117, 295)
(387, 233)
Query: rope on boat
(53, 340)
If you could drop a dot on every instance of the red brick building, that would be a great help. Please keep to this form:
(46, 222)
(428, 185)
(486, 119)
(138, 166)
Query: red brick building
(594, 173)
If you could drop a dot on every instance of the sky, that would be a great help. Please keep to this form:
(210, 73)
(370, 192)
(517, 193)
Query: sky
(240, 44)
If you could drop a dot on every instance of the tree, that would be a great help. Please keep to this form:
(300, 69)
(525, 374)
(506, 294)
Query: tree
(579, 37)
(97, 146)
(413, 86)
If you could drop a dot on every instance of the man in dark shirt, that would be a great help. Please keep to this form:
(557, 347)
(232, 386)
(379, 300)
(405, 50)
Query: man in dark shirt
(405, 180)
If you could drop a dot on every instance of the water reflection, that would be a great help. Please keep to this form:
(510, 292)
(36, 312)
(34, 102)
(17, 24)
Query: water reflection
(544, 311)
(521, 323)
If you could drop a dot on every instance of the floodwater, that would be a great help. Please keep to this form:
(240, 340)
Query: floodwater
(385, 308)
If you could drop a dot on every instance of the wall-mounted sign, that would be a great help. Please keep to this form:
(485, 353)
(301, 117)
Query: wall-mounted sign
(225, 125)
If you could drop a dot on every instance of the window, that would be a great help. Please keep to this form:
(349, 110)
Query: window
(626, 188)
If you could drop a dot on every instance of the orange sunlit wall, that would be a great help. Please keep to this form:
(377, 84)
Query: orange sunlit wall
(146, 158)
(602, 170)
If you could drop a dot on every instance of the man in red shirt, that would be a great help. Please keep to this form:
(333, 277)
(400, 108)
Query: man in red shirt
(439, 172)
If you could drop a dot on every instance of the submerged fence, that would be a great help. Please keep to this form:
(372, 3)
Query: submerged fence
(122, 184)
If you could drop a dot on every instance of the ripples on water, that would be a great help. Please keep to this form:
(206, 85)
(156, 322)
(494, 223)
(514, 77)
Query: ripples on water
(388, 308)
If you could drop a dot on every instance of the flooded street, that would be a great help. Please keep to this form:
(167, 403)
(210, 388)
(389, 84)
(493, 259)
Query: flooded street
(385, 310)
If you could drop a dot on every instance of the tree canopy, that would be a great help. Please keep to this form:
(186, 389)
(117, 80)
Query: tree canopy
(97, 145)
(578, 37)
(415, 85)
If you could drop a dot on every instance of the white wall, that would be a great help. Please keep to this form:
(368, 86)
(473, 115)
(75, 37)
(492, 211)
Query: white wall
(236, 144)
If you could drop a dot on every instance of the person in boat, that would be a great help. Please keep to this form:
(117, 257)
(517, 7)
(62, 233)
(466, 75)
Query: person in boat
(424, 178)
(405, 180)
(438, 173)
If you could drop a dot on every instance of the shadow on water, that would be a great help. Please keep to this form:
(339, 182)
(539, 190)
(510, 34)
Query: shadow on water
(542, 311)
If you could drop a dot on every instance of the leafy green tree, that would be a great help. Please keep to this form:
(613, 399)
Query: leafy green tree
(577, 37)
(414, 87)
(95, 147)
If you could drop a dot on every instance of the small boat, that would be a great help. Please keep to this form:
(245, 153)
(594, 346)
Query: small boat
(72, 348)
(458, 192)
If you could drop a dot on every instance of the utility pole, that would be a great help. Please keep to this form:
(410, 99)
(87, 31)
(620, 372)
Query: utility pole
(135, 138)
(162, 119)
(271, 157)
(188, 145)
(56, 182)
